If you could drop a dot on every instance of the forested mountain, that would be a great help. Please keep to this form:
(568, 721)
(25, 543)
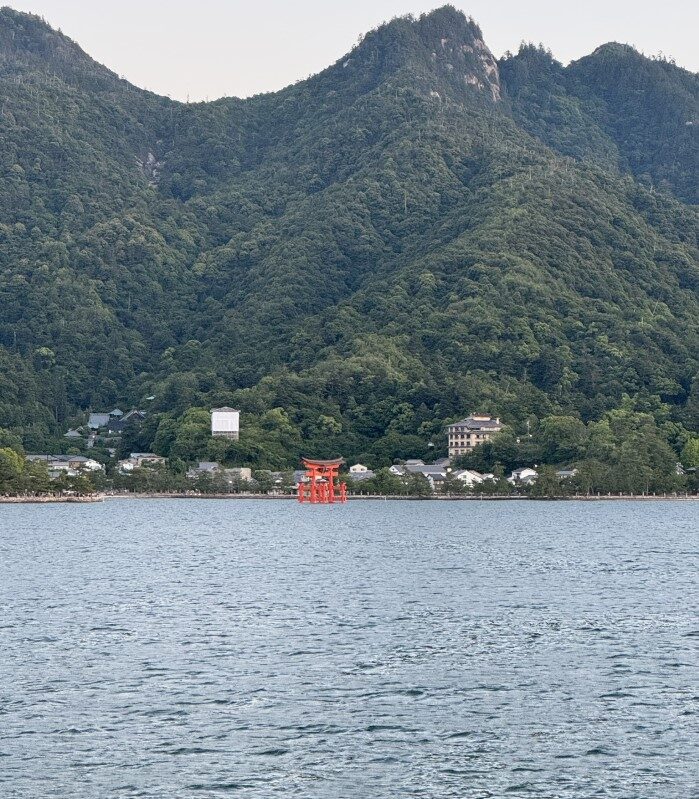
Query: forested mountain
(614, 107)
(417, 232)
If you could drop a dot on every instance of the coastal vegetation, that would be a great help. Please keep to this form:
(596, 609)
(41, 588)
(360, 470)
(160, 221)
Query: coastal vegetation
(628, 452)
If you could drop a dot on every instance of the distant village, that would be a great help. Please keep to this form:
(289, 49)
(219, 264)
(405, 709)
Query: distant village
(106, 429)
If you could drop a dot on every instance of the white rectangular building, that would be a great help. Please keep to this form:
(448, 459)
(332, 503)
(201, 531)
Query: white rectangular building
(225, 423)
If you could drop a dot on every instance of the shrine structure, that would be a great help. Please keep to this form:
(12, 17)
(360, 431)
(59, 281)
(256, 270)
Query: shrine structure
(322, 486)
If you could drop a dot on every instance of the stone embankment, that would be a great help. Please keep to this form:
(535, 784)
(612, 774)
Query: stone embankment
(49, 498)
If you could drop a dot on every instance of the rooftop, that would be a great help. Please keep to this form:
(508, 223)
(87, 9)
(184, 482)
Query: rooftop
(478, 423)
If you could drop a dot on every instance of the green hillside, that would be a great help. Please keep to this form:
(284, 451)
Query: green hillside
(413, 234)
(614, 107)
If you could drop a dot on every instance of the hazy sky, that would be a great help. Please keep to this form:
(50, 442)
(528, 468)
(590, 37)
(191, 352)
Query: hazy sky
(210, 48)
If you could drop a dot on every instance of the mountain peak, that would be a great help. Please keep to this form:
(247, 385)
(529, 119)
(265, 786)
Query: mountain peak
(443, 51)
(615, 48)
(448, 20)
(28, 34)
(29, 39)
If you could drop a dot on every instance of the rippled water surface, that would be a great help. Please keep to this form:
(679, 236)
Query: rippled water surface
(176, 648)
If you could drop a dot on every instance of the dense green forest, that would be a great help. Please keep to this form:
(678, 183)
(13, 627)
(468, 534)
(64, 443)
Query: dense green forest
(415, 233)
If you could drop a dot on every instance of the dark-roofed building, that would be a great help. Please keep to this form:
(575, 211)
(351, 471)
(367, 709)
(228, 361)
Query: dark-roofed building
(117, 424)
(204, 467)
(98, 420)
(471, 432)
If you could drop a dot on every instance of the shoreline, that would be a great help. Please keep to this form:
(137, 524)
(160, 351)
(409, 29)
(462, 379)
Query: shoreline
(51, 499)
(402, 498)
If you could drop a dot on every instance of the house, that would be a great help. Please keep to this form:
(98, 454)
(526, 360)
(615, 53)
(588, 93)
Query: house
(134, 415)
(434, 473)
(426, 470)
(523, 476)
(409, 467)
(225, 423)
(73, 434)
(116, 413)
(204, 467)
(469, 433)
(243, 473)
(117, 424)
(70, 465)
(81, 462)
(300, 477)
(365, 474)
(468, 477)
(358, 468)
(142, 458)
(566, 474)
(139, 459)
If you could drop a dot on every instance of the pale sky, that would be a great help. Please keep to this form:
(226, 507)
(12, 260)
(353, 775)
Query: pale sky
(213, 48)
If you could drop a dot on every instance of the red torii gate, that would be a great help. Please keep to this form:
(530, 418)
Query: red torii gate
(321, 487)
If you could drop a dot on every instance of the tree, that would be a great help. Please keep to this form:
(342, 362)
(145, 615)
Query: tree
(383, 483)
(562, 439)
(547, 484)
(11, 440)
(193, 434)
(35, 478)
(418, 485)
(690, 453)
(11, 468)
(264, 481)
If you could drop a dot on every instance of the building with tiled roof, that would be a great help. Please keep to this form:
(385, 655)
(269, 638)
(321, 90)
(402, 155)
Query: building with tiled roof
(469, 433)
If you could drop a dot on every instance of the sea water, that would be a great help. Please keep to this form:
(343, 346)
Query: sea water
(194, 648)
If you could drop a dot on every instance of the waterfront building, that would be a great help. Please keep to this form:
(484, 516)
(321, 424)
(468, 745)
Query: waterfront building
(468, 477)
(469, 433)
(137, 460)
(225, 423)
(204, 467)
(241, 473)
(70, 465)
(523, 476)
(363, 474)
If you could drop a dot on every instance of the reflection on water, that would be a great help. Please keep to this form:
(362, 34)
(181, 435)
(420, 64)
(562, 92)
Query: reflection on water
(380, 649)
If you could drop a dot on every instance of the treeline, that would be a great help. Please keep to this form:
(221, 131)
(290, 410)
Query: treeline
(628, 451)
(19, 476)
(635, 449)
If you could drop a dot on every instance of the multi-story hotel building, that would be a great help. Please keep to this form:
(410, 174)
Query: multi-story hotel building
(470, 432)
